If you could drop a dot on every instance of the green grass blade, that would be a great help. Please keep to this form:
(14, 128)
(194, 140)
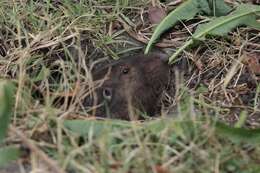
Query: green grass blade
(188, 43)
(6, 106)
(185, 11)
(8, 154)
(238, 134)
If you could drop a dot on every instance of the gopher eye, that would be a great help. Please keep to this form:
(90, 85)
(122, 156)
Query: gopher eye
(124, 69)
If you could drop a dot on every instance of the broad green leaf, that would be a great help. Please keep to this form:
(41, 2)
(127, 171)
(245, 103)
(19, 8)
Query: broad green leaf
(8, 154)
(6, 105)
(245, 14)
(98, 127)
(185, 11)
(219, 7)
(203, 5)
(238, 134)
(83, 127)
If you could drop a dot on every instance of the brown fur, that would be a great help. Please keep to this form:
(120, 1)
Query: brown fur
(131, 85)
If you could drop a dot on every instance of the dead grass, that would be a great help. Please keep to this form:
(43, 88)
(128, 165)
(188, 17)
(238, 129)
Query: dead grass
(216, 84)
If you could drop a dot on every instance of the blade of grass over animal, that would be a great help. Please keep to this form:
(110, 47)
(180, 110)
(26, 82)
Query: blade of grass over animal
(6, 107)
(8, 154)
(185, 11)
(130, 50)
(84, 127)
(238, 134)
(245, 14)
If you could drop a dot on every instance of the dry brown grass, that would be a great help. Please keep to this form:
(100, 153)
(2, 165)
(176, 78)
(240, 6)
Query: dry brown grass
(216, 82)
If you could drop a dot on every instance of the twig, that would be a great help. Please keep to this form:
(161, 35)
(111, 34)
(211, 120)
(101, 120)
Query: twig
(138, 37)
(51, 163)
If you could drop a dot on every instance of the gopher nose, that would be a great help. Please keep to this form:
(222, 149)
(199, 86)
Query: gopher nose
(107, 93)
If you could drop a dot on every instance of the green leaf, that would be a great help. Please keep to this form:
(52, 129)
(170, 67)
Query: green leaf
(97, 127)
(204, 6)
(8, 154)
(238, 134)
(219, 7)
(185, 11)
(7, 92)
(245, 14)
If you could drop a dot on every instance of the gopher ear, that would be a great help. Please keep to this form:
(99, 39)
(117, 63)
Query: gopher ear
(153, 62)
(161, 55)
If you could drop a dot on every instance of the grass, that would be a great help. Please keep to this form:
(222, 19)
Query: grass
(34, 35)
